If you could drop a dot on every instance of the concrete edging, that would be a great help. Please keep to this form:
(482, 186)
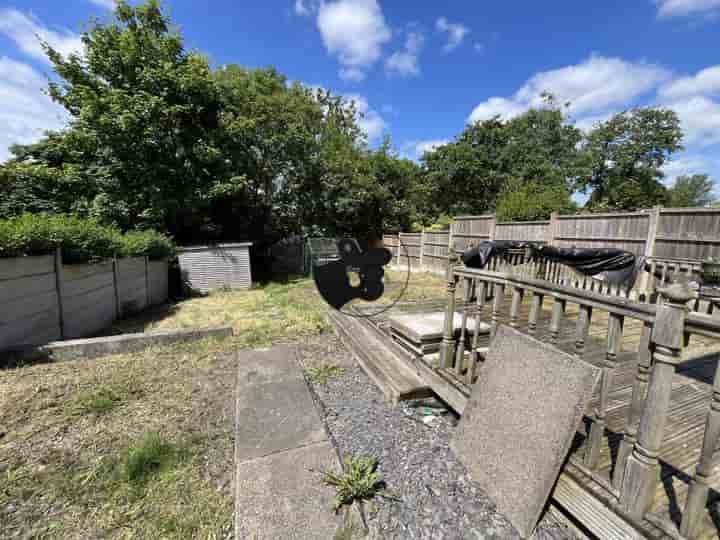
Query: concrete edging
(74, 349)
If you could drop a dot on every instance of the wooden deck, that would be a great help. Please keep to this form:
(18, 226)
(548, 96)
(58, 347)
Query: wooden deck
(589, 495)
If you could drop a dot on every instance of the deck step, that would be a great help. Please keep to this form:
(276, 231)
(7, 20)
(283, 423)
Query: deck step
(388, 369)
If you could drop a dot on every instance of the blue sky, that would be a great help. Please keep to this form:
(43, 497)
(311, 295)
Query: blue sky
(420, 70)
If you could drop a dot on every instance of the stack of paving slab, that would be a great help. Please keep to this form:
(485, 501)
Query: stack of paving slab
(421, 333)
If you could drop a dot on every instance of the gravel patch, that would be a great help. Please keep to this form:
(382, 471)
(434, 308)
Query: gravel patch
(433, 496)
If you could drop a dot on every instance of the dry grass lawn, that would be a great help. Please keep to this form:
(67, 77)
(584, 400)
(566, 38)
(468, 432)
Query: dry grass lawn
(141, 445)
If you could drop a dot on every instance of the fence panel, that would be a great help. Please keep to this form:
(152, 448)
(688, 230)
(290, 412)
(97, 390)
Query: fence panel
(435, 251)
(623, 231)
(88, 298)
(30, 313)
(158, 282)
(390, 241)
(522, 231)
(410, 245)
(131, 285)
(471, 230)
(688, 233)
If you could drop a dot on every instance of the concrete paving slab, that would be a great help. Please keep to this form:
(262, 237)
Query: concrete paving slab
(520, 420)
(423, 327)
(282, 496)
(274, 409)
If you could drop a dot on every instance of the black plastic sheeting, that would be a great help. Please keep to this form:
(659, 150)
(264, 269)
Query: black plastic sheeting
(614, 266)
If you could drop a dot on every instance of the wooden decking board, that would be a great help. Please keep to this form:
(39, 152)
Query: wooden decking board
(690, 400)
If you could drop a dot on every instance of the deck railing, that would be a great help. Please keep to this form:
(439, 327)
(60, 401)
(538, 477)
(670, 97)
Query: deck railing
(666, 329)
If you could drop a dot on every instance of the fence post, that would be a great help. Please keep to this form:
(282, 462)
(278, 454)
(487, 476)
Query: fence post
(147, 283)
(550, 237)
(491, 228)
(58, 288)
(115, 287)
(398, 247)
(451, 240)
(422, 248)
(653, 219)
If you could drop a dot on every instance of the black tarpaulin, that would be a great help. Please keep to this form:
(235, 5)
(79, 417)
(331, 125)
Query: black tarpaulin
(614, 266)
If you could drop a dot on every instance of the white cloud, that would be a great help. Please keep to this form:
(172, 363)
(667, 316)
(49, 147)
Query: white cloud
(352, 74)
(405, 61)
(368, 119)
(107, 4)
(26, 31)
(456, 32)
(677, 8)
(592, 87)
(700, 120)
(479, 48)
(429, 146)
(705, 82)
(25, 112)
(685, 165)
(354, 31)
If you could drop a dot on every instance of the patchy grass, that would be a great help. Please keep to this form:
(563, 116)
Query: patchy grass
(147, 451)
(359, 481)
(322, 374)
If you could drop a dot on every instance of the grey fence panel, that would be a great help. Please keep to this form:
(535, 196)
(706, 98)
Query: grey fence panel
(435, 251)
(410, 248)
(88, 298)
(29, 309)
(158, 282)
(623, 231)
(131, 285)
(469, 231)
(688, 233)
(212, 267)
(390, 241)
(522, 231)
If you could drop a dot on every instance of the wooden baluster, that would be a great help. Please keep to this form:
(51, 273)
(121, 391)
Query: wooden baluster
(632, 421)
(582, 327)
(651, 282)
(517, 298)
(558, 309)
(535, 310)
(460, 353)
(699, 485)
(597, 429)
(480, 298)
(447, 347)
(497, 303)
(641, 472)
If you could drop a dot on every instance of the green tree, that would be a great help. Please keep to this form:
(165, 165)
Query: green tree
(691, 190)
(625, 155)
(534, 201)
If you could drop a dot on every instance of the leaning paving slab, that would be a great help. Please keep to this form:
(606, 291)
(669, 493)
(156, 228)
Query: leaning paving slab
(518, 425)
(281, 447)
(74, 349)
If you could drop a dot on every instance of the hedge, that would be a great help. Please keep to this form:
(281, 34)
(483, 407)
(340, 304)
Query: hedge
(80, 240)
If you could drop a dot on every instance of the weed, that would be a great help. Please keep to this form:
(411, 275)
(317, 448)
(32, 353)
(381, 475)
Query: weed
(359, 481)
(150, 455)
(322, 374)
(98, 401)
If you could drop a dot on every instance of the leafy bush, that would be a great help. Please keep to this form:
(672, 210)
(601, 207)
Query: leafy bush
(80, 240)
(146, 244)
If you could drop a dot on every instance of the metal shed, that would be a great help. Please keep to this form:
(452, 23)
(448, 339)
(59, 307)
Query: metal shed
(212, 267)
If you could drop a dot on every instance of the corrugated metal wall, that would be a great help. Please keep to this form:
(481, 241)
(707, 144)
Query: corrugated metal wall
(212, 267)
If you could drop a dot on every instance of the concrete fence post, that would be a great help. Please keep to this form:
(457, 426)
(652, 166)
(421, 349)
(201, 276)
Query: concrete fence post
(399, 249)
(653, 219)
(147, 283)
(551, 232)
(58, 289)
(422, 249)
(116, 285)
(491, 228)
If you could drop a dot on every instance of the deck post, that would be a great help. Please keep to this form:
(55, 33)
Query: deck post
(699, 488)
(582, 327)
(597, 429)
(558, 309)
(535, 309)
(447, 347)
(480, 297)
(637, 399)
(499, 292)
(641, 473)
(517, 298)
(460, 353)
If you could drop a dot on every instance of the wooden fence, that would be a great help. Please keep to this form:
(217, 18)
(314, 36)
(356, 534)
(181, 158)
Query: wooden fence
(664, 234)
(44, 300)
